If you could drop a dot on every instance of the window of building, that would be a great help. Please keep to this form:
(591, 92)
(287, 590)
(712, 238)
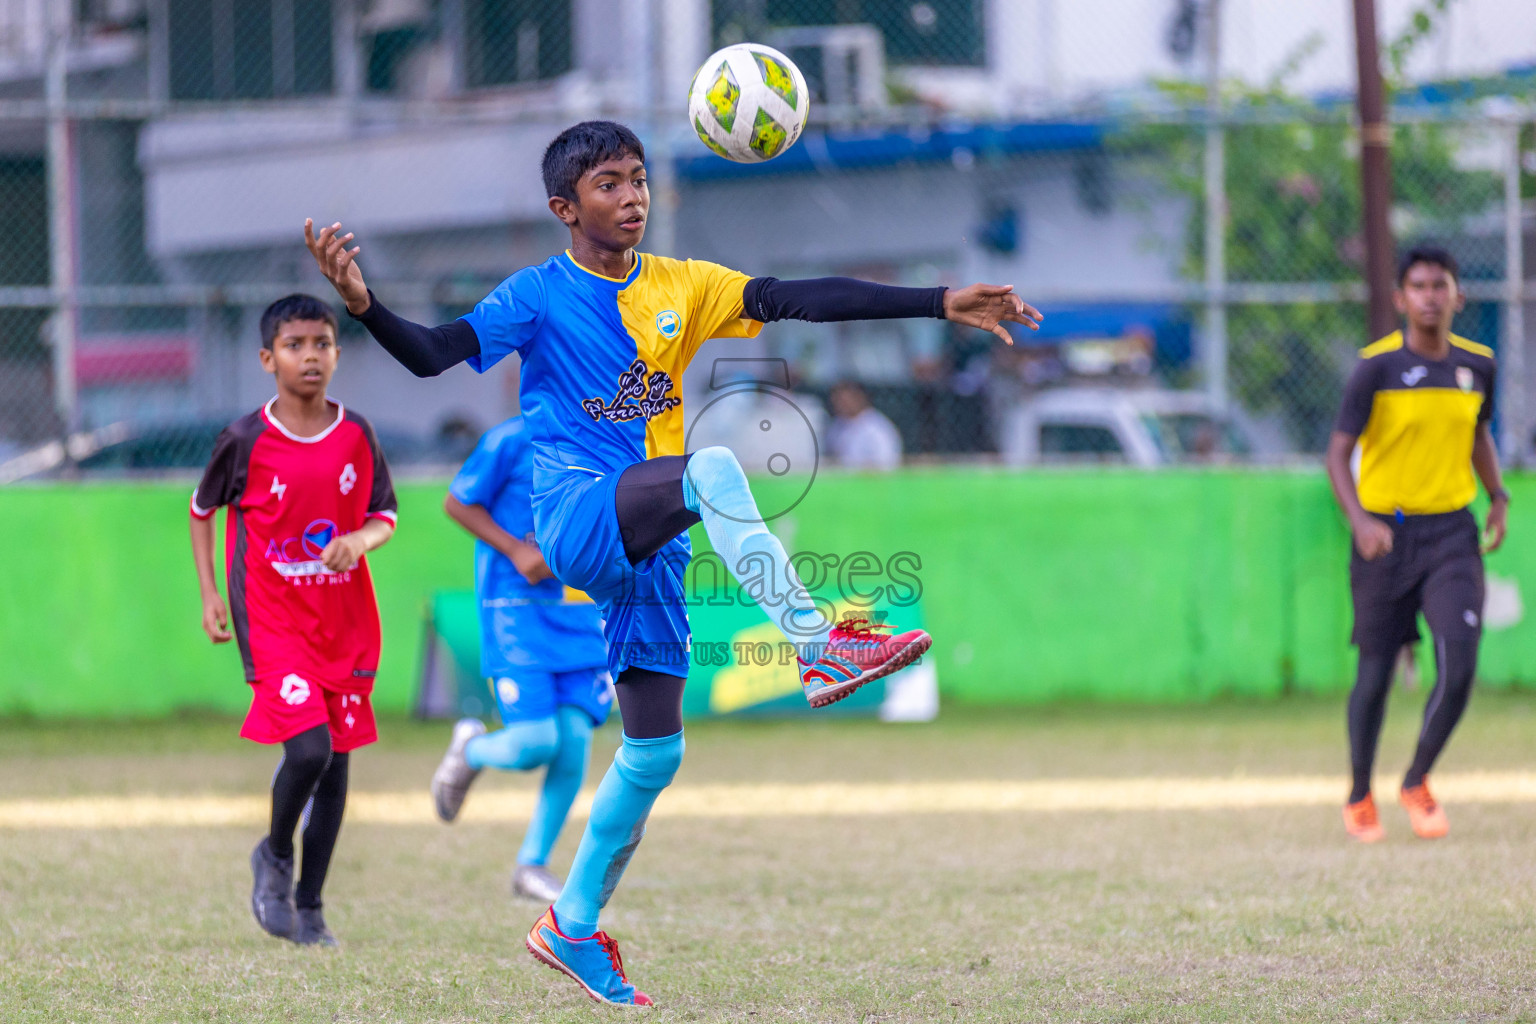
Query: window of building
(248, 49)
(1061, 442)
(512, 41)
(928, 32)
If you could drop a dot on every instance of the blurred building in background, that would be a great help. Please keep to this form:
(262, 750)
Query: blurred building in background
(158, 158)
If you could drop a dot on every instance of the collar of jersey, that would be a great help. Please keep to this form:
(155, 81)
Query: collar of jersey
(1397, 341)
(622, 282)
(341, 414)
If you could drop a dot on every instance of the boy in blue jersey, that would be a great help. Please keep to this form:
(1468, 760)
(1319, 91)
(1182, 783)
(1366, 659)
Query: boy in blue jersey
(604, 333)
(541, 651)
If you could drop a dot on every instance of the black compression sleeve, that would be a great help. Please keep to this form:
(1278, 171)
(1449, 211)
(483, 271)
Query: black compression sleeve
(824, 299)
(425, 351)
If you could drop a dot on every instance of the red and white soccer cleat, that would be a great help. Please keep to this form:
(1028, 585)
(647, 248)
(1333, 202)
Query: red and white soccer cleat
(858, 653)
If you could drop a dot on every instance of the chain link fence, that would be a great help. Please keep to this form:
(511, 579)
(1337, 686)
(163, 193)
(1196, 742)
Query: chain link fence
(157, 158)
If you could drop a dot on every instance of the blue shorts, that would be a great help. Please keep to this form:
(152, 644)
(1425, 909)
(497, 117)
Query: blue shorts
(531, 694)
(644, 609)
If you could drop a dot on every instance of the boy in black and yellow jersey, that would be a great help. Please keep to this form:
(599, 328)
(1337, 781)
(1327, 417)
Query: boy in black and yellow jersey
(1418, 403)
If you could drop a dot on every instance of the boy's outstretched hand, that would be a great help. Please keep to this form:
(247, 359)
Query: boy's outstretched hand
(987, 306)
(338, 264)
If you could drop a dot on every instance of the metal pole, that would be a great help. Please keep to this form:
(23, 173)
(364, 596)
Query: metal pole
(660, 167)
(1375, 171)
(63, 327)
(346, 55)
(158, 58)
(1512, 373)
(1215, 349)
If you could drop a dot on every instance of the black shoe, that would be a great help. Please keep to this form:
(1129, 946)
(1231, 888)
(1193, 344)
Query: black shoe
(272, 892)
(312, 930)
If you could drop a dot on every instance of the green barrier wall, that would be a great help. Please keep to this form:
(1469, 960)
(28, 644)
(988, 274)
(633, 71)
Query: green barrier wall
(1158, 587)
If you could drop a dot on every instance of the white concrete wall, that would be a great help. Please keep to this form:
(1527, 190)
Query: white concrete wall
(1041, 53)
(245, 180)
(905, 215)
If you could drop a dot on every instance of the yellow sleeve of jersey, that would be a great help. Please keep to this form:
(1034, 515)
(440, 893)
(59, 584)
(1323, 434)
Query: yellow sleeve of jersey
(715, 310)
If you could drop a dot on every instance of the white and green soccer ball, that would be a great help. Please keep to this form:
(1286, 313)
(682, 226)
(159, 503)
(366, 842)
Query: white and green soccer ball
(748, 102)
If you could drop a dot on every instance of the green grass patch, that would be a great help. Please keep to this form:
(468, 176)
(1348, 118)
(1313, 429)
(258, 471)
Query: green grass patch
(1261, 915)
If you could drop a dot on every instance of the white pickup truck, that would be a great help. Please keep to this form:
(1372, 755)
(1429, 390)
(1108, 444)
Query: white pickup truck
(1144, 427)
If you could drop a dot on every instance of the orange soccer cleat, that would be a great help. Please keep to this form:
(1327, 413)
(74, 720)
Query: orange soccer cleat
(1362, 822)
(1424, 811)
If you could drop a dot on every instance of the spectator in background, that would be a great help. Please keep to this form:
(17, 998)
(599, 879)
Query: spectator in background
(457, 435)
(861, 437)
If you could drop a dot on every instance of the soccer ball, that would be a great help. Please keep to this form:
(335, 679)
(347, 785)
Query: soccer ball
(748, 102)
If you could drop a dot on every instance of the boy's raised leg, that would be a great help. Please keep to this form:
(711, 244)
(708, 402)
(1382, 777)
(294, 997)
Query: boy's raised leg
(834, 660)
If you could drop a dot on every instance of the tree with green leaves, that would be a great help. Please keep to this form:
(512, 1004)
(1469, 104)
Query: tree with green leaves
(1294, 215)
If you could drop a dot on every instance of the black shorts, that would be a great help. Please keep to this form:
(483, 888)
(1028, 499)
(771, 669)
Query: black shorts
(1435, 566)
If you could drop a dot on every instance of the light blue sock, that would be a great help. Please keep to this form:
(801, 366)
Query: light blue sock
(715, 487)
(641, 770)
(561, 781)
(515, 748)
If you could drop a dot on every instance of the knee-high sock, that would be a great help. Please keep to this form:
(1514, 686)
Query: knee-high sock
(1455, 664)
(321, 829)
(561, 781)
(305, 757)
(641, 770)
(517, 747)
(1367, 704)
(715, 487)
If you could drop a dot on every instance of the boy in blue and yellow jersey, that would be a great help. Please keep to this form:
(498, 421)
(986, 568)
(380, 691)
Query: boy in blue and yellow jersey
(1418, 403)
(541, 651)
(604, 333)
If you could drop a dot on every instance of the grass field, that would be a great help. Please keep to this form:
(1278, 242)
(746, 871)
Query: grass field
(1144, 864)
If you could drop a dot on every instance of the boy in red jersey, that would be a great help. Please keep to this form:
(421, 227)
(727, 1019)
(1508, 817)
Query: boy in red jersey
(309, 495)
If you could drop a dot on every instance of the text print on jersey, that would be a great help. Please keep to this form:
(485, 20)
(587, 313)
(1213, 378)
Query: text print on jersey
(299, 557)
(638, 397)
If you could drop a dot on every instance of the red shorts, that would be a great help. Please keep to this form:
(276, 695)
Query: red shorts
(283, 707)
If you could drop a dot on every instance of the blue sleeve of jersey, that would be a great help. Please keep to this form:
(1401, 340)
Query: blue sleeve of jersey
(507, 319)
(488, 468)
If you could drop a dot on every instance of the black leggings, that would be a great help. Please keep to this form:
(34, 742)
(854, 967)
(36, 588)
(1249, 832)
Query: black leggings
(310, 775)
(1455, 664)
(649, 503)
(1367, 706)
(650, 702)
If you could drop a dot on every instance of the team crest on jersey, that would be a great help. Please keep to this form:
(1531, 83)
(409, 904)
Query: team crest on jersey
(639, 397)
(506, 689)
(1464, 377)
(348, 479)
(668, 323)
